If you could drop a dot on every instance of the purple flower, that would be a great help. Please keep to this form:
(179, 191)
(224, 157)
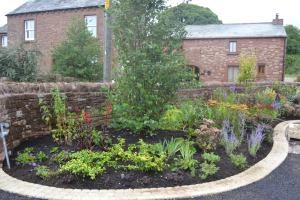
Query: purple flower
(34, 165)
(232, 88)
(276, 105)
(255, 140)
(229, 139)
(225, 96)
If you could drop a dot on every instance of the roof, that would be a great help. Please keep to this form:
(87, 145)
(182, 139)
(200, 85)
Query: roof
(253, 30)
(32, 6)
(3, 29)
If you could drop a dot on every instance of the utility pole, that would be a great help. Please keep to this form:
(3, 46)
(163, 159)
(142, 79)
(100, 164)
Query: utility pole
(107, 44)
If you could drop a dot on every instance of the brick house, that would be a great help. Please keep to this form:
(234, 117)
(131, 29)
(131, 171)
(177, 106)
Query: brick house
(42, 25)
(3, 36)
(213, 50)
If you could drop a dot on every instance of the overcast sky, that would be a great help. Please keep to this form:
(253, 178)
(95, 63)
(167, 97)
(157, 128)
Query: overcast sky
(229, 11)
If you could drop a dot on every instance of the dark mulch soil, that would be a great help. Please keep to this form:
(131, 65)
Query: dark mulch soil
(129, 179)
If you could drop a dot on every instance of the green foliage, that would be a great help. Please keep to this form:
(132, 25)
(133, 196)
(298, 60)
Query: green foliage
(172, 119)
(26, 157)
(211, 157)
(43, 172)
(239, 161)
(138, 157)
(41, 157)
(292, 64)
(79, 55)
(247, 68)
(62, 157)
(19, 64)
(186, 160)
(54, 150)
(208, 169)
(86, 163)
(173, 146)
(293, 41)
(151, 63)
(46, 114)
(191, 14)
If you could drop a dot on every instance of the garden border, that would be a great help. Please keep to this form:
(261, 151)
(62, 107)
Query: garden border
(255, 173)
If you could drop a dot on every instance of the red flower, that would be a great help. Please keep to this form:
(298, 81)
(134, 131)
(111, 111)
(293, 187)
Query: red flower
(87, 117)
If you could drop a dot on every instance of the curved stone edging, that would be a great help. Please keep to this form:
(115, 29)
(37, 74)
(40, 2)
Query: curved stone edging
(257, 172)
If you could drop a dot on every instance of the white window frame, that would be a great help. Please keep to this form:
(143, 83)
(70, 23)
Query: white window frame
(4, 41)
(29, 29)
(232, 46)
(92, 28)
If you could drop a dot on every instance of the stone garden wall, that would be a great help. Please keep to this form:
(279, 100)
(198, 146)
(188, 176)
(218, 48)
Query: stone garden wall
(19, 104)
(20, 108)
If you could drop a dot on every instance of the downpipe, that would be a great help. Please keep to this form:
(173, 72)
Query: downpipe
(4, 133)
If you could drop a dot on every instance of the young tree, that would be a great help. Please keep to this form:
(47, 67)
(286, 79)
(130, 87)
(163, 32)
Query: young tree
(293, 43)
(151, 62)
(247, 67)
(79, 55)
(191, 14)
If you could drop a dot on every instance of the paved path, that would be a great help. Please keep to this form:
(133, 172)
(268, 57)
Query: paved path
(282, 184)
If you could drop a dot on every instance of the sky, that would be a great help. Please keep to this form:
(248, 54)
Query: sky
(229, 11)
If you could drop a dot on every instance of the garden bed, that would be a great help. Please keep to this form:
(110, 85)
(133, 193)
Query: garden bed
(120, 179)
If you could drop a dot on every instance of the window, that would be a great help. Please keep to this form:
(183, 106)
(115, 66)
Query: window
(4, 41)
(29, 30)
(232, 47)
(233, 72)
(261, 69)
(91, 23)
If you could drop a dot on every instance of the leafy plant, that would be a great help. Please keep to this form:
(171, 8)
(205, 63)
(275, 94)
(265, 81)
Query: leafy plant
(208, 169)
(228, 138)
(172, 119)
(173, 146)
(239, 161)
(207, 136)
(43, 172)
(18, 63)
(46, 113)
(255, 140)
(186, 160)
(54, 150)
(247, 68)
(26, 157)
(62, 157)
(211, 157)
(41, 157)
(152, 64)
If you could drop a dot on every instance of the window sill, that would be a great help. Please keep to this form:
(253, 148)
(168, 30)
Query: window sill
(233, 54)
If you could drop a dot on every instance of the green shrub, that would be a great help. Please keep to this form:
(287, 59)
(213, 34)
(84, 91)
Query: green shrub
(239, 161)
(54, 150)
(172, 119)
(62, 157)
(152, 64)
(18, 64)
(79, 55)
(43, 172)
(211, 157)
(41, 157)
(208, 169)
(26, 157)
(247, 68)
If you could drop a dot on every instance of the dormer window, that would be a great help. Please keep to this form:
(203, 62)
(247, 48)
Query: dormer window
(232, 47)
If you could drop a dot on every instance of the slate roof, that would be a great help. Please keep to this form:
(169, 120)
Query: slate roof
(32, 6)
(3, 29)
(251, 30)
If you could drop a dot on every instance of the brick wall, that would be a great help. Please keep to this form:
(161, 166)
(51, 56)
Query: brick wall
(50, 30)
(213, 55)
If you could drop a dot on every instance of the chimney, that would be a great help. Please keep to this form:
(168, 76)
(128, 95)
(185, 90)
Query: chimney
(277, 21)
